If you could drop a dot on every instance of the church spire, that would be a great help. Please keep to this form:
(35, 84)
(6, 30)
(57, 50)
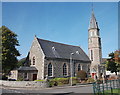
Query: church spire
(93, 22)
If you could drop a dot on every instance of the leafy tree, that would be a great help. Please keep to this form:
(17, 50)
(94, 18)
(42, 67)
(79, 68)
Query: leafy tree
(111, 64)
(9, 51)
(21, 62)
(117, 58)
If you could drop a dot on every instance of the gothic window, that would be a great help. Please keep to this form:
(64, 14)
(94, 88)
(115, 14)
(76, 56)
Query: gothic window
(79, 68)
(33, 60)
(64, 69)
(91, 55)
(50, 69)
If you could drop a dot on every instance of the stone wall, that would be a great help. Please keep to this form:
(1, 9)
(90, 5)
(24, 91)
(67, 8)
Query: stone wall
(58, 67)
(37, 53)
(41, 84)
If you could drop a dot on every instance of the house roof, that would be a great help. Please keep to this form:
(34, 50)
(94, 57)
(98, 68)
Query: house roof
(63, 51)
(26, 68)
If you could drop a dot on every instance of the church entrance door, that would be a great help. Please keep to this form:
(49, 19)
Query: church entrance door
(34, 77)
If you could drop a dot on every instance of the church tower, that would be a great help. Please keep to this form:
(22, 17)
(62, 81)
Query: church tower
(94, 46)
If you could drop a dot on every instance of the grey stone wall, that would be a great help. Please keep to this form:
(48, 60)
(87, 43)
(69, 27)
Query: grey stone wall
(29, 74)
(94, 44)
(37, 52)
(41, 84)
(58, 67)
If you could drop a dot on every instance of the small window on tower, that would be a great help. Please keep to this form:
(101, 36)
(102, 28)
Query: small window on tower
(33, 60)
(99, 41)
(91, 55)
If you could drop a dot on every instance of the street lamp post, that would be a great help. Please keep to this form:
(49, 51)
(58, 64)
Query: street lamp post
(71, 67)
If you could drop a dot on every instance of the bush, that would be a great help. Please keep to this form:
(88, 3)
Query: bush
(20, 79)
(90, 80)
(81, 74)
(4, 77)
(64, 80)
(53, 83)
(99, 81)
(61, 80)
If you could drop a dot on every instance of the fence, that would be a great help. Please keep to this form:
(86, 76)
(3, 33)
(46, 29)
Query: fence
(100, 88)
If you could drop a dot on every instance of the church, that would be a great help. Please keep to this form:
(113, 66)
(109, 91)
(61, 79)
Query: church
(48, 59)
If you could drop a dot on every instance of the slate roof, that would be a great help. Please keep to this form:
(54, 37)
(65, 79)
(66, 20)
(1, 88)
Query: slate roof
(93, 22)
(58, 50)
(26, 68)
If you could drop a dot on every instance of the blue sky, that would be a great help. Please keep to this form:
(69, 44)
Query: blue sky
(64, 22)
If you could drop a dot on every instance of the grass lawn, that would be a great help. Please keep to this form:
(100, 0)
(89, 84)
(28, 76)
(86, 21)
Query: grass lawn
(114, 91)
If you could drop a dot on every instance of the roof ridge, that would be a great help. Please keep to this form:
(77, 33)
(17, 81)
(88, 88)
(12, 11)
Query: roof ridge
(59, 43)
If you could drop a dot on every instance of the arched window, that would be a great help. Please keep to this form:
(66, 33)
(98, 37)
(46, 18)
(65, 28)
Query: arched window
(79, 68)
(33, 60)
(64, 69)
(49, 69)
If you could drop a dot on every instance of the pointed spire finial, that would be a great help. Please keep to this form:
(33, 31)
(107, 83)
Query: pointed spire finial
(35, 36)
(93, 22)
(92, 7)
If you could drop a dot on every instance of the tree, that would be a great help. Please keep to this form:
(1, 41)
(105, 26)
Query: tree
(21, 62)
(111, 63)
(117, 58)
(81, 74)
(9, 51)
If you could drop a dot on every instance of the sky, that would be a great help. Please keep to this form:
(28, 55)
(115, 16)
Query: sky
(63, 22)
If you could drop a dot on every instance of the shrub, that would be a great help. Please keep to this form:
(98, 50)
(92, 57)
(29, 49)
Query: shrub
(4, 77)
(99, 81)
(53, 83)
(64, 80)
(61, 80)
(81, 74)
(20, 79)
(90, 80)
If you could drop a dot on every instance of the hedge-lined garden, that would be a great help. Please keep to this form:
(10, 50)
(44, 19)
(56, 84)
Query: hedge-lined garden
(81, 78)
(66, 81)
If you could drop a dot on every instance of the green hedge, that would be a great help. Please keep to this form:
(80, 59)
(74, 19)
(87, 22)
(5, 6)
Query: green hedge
(63, 81)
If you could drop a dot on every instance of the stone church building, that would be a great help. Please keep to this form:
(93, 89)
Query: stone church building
(52, 59)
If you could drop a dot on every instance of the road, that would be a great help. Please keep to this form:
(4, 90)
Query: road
(53, 91)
